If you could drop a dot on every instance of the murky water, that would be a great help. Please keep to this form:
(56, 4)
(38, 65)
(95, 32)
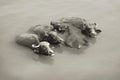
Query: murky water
(99, 61)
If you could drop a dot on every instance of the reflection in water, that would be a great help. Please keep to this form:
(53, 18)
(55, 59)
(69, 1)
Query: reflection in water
(62, 48)
(48, 59)
(58, 49)
(91, 40)
(82, 49)
(45, 59)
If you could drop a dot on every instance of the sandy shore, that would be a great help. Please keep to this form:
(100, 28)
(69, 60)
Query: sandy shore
(99, 61)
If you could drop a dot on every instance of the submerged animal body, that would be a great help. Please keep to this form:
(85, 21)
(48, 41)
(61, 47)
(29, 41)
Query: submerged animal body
(40, 33)
(46, 33)
(87, 28)
(40, 37)
(27, 39)
(75, 39)
(40, 30)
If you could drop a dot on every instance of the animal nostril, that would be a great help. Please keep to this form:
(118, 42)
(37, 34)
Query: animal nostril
(51, 53)
(93, 34)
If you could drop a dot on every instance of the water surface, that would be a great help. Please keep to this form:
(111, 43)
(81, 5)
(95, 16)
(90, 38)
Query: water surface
(99, 61)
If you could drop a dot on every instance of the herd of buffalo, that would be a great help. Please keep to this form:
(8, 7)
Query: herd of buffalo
(42, 38)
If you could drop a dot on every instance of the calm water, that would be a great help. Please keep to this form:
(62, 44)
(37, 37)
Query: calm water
(99, 61)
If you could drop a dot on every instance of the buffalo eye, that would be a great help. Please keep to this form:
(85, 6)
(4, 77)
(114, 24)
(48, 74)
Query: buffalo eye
(98, 30)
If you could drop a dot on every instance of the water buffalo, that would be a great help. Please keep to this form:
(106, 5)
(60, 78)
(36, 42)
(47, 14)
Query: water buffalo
(32, 41)
(87, 28)
(43, 48)
(46, 33)
(39, 38)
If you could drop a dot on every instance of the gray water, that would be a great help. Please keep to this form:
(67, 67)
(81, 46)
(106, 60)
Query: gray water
(99, 61)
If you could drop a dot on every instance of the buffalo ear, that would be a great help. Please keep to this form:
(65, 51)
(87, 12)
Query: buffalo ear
(51, 23)
(95, 24)
(98, 31)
